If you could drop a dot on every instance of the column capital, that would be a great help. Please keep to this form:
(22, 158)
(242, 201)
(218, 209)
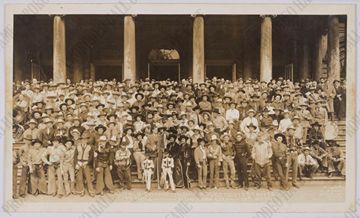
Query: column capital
(57, 15)
(131, 15)
(196, 15)
(268, 15)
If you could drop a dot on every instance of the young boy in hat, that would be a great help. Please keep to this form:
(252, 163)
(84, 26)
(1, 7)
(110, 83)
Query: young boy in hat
(148, 167)
(123, 163)
(167, 174)
(103, 165)
(307, 164)
(36, 169)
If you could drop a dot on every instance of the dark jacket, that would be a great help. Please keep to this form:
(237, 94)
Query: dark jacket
(242, 148)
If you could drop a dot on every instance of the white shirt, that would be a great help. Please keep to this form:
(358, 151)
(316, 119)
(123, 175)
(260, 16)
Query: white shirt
(284, 124)
(261, 152)
(232, 115)
(308, 160)
(246, 122)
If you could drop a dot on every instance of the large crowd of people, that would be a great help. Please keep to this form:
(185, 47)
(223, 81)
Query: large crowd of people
(95, 136)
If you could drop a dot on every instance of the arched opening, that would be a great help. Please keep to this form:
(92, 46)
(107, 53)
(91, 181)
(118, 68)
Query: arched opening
(164, 64)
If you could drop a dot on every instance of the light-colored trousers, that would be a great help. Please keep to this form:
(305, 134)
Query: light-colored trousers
(69, 178)
(214, 172)
(103, 177)
(37, 180)
(139, 160)
(147, 175)
(167, 172)
(84, 170)
(55, 186)
(202, 174)
(228, 163)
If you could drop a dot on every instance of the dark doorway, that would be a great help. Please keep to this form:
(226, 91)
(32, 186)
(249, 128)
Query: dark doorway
(164, 71)
(108, 72)
(222, 71)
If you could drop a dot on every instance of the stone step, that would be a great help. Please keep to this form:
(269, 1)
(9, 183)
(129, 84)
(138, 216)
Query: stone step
(154, 184)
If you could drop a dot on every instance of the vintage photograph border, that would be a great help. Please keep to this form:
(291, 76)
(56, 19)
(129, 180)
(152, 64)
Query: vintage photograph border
(140, 8)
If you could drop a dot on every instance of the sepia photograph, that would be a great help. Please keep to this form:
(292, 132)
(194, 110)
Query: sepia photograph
(199, 108)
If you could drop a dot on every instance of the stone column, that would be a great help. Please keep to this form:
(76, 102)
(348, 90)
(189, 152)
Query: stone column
(247, 69)
(266, 49)
(92, 71)
(59, 50)
(86, 64)
(334, 49)
(234, 72)
(321, 48)
(198, 73)
(304, 70)
(129, 49)
(78, 69)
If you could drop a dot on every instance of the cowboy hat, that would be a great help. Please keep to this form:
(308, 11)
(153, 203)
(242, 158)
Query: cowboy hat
(250, 111)
(183, 137)
(69, 140)
(36, 141)
(102, 138)
(75, 130)
(172, 136)
(251, 125)
(306, 148)
(111, 115)
(70, 99)
(277, 135)
(139, 94)
(201, 140)
(128, 127)
(214, 138)
(291, 127)
(224, 135)
(32, 121)
(184, 127)
(100, 126)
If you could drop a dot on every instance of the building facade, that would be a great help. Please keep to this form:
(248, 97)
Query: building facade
(263, 47)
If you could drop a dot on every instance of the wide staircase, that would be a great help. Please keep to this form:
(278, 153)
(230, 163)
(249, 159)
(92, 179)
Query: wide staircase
(341, 140)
